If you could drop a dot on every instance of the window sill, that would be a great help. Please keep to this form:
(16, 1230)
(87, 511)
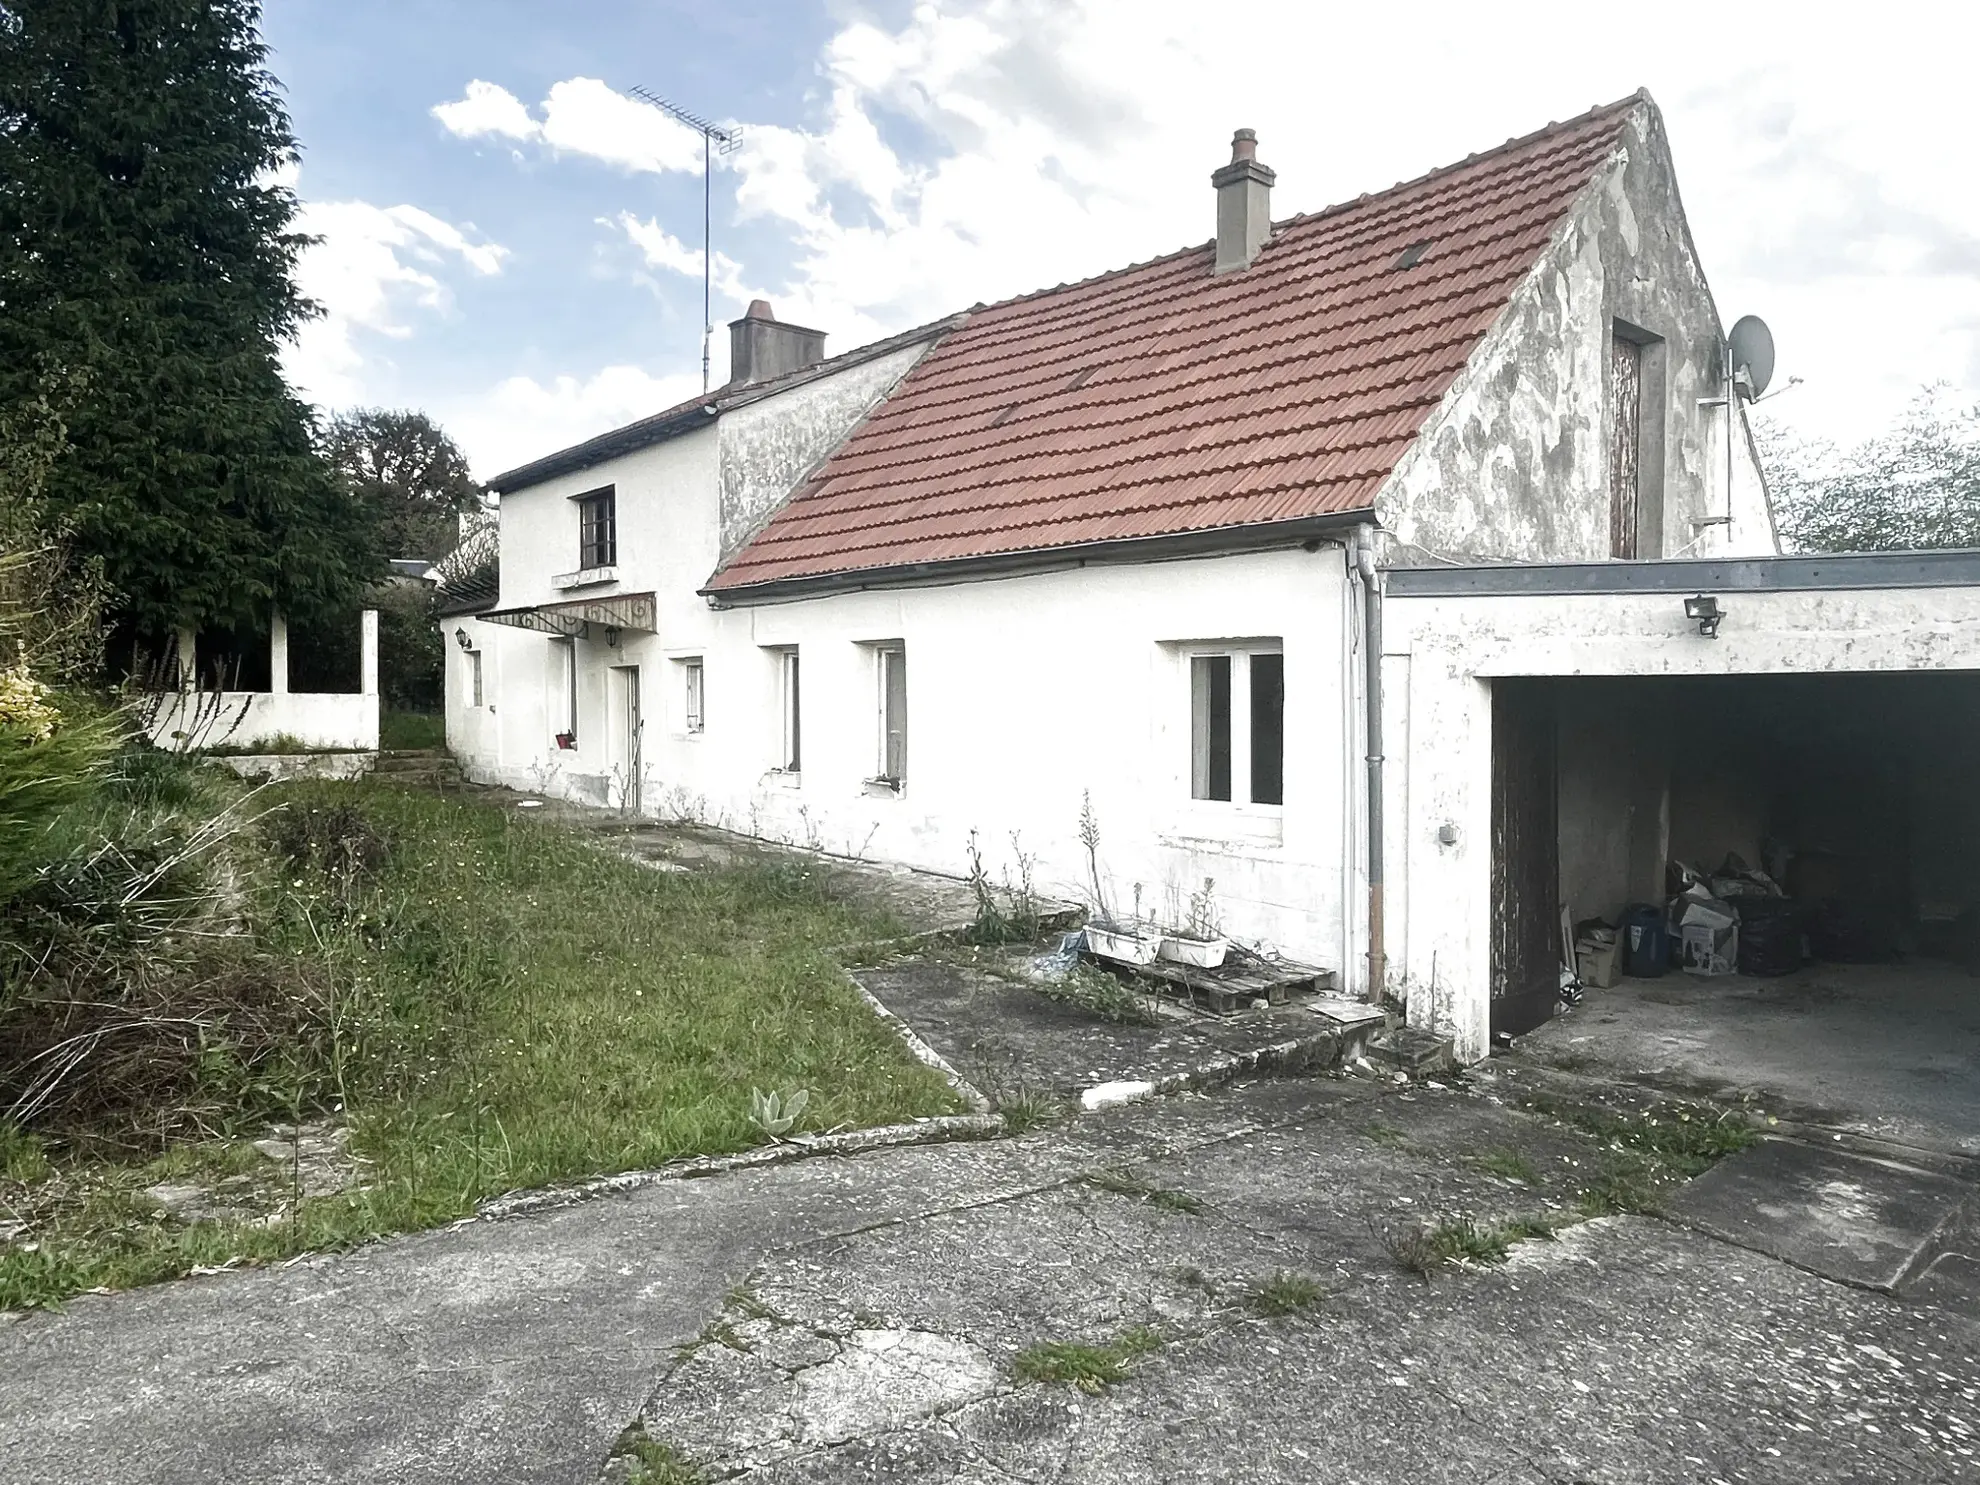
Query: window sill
(1212, 824)
(883, 788)
(783, 778)
(584, 577)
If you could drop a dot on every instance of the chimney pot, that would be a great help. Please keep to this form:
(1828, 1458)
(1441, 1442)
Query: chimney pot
(761, 346)
(1244, 204)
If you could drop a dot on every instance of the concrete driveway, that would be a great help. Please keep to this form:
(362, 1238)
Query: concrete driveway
(1886, 1050)
(903, 1284)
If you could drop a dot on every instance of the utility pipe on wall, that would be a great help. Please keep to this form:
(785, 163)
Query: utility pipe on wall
(1366, 564)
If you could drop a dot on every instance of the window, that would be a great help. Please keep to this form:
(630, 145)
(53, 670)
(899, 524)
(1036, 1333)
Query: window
(474, 677)
(790, 751)
(1237, 726)
(564, 705)
(890, 671)
(691, 695)
(598, 528)
(1637, 409)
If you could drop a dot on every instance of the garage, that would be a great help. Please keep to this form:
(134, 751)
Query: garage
(1767, 765)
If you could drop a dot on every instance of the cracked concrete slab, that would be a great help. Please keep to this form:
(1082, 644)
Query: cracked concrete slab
(508, 1350)
(1627, 1350)
(1842, 1215)
(1007, 1038)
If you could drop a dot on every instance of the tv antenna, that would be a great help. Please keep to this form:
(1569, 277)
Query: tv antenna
(714, 140)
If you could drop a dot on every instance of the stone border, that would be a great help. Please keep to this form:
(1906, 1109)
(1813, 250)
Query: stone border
(938, 1130)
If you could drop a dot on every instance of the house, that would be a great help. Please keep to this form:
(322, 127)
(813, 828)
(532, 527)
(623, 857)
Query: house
(1184, 543)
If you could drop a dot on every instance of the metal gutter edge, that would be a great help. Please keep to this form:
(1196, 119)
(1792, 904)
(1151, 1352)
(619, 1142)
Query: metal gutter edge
(1218, 541)
(1952, 568)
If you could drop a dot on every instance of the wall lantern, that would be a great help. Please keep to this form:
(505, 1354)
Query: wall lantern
(461, 639)
(611, 638)
(1705, 611)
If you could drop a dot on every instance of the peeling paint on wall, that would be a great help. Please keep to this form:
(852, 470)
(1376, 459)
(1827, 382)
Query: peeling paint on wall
(769, 447)
(1515, 465)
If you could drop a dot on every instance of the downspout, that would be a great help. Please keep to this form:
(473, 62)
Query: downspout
(1365, 563)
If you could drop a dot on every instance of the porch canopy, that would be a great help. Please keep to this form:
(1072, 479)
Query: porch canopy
(573, 618)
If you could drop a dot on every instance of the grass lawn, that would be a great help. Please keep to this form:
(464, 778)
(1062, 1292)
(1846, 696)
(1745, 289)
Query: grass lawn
(411, 730)
(505, 1005)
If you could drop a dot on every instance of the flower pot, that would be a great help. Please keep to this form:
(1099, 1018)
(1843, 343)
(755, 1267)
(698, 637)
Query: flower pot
(1203, 953)
(1122, 945)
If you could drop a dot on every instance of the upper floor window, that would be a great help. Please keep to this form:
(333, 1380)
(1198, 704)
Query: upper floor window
(1237, 732)
(598, 528)
(1636, 442)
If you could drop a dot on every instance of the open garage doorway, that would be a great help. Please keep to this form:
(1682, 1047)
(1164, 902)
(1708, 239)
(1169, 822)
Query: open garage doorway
(1834, 819)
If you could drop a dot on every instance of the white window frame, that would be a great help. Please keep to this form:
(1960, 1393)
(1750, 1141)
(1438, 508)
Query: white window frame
(694, 695)
(790, 711)
(1240, 806)
(566, 694)
(886, 653)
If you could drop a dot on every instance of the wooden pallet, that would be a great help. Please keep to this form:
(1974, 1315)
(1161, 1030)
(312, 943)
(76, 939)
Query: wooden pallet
(1234, 987)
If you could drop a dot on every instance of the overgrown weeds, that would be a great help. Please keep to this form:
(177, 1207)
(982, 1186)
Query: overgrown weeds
(1102, 996)
(1092, 1368)
(495, 1004)
(1026, 1109)
(654, 1462)
(1007, 911)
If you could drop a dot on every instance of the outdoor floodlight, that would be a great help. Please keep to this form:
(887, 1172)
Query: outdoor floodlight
(1705, 611)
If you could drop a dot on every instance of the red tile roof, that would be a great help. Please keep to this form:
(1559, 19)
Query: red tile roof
(1162, 399)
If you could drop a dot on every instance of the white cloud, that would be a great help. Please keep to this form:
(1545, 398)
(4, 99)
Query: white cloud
(370, 266)
(580, 116)
(981, 148)
(487, 109)
(523, 419)
(661, 249)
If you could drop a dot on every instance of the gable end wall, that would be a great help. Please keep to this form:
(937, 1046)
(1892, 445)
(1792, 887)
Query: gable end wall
(1515, 464)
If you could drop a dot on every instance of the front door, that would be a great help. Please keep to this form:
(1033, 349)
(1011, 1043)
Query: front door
(626, 764)
(1526, 873)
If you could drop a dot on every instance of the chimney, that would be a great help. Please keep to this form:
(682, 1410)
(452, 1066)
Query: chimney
(760, 347)
(1244, 204)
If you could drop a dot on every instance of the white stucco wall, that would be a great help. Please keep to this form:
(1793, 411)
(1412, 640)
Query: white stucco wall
(1440, 657)
(1022, 694)
(237, 720)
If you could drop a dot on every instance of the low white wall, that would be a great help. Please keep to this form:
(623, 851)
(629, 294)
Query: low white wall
(1024, 693)
(1440, 658)
(276, 767)
(190, 719)
(244, 719)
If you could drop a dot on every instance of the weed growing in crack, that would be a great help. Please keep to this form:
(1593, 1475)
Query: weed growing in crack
(1140, 1188)
(652, 1462)
(1285, 1293)
(746, 1302)
(1686, 1139)
(1090, 1368)
(1423, 1249)
(1386, 1134)
(1508, 1164)
(1625, 1185)
(1102, 995)
(1026, 1109)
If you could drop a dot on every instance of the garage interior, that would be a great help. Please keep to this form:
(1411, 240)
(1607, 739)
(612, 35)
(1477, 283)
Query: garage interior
(1857, 795)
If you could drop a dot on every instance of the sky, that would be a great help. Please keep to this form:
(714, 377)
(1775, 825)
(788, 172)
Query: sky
(511, 241)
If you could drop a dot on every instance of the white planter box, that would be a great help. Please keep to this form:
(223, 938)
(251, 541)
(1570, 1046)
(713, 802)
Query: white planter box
(1203, 953)
(1122, 945)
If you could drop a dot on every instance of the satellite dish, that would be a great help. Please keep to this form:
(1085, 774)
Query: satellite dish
(1752, 346)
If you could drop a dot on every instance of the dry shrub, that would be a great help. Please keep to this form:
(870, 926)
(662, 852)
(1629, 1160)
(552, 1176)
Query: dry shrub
(336, 840)
(133, 996)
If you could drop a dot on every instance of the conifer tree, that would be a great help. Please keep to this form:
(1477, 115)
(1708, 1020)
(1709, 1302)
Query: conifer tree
(146, 259)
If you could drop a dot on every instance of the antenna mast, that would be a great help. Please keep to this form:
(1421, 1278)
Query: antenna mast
(714, 139)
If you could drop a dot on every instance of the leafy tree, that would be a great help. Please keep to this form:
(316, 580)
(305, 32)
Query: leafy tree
(413, 476)
(1915, 486)
(146, 249)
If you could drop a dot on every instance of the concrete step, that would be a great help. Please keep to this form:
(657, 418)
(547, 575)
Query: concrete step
(1411, 1050)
